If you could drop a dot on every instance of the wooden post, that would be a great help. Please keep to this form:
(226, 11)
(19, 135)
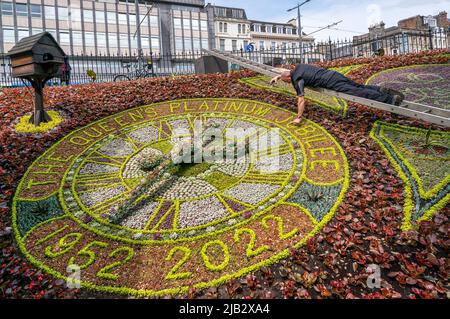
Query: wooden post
(39, 114)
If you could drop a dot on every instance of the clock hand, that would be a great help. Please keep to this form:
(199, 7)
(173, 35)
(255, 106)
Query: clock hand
(157, 179)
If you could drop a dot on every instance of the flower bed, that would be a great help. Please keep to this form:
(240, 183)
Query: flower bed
(88, 176)
(365, 229)
(421, 159)
(425, 84)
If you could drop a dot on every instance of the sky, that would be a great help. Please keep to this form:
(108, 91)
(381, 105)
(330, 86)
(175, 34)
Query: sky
(357, 15)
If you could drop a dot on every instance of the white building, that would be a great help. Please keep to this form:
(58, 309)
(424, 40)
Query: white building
(234, 31)
(279, 36)
(232, 28)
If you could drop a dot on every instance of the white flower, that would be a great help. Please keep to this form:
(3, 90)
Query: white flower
(192, 233)
(173, 236)
(137, 235)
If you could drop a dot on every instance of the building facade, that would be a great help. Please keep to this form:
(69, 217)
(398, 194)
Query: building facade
(413, 34)
(234, 31)
(280, 36)
(232, 28)
(109, 26)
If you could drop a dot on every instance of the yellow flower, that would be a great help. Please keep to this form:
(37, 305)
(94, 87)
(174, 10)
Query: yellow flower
(24, 125)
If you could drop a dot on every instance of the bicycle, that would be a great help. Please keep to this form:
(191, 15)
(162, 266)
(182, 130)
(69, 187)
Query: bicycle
(141, 70)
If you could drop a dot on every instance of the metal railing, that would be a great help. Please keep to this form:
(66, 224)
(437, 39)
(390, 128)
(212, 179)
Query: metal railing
(106, 67)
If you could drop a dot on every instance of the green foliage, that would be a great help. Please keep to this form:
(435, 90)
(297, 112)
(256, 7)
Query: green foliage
(221, 181)
(29, 214)
(150, 163)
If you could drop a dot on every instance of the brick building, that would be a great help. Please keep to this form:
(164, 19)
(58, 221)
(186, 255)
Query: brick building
(410, 35)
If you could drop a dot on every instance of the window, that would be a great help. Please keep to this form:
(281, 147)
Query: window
(21, 9)
(111, 17)
(257, 28)
(239, 28)
(52, 32)
(225, 27)
(99, 17)
(63, 13)
(75, 14)
(178, 43)
(273, 45)
(134, 43)
(101, 39)
(186, 24)
(36, 11)
(88, 16)
(245, 44)
(294, 47)
(132, 18)
(261, 45)
(89, 39)
(177, 23)
(432, 22)
(64, 38)
(123, 18)
(123, 40)
(50, 13)
(154, 21)
(77, 38)
(7, 9)
(220, 27)
(155, 44)
(197, 45)
(195, 25)
(222, 44)
(145, 43)
(263, 28)
(289, 31)
(234, 45)
(36, 31)
(269, 29)
(144, 21)
(284, 46)
(203, 25)
(205, 44)
(280, 30)
(8, 36)
(188, 44)
(23, 33)
(112, 39)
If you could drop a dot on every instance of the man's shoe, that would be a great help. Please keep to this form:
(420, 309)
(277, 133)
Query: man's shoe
(398, 100)
(392, 92)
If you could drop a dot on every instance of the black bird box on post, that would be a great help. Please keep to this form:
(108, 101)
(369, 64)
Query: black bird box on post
(37, 59)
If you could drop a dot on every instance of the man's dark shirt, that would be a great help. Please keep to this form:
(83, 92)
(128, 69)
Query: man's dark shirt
(312, 76)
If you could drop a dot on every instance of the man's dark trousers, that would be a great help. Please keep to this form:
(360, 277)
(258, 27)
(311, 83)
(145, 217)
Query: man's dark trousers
(342, 84)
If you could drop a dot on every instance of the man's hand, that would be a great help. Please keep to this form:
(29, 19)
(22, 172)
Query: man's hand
(275, 80)
(301, 109)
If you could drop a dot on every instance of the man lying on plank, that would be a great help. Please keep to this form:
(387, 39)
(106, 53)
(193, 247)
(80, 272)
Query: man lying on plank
(305, 75)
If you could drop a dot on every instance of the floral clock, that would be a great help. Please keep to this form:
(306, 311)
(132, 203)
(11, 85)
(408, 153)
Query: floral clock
(82, 204)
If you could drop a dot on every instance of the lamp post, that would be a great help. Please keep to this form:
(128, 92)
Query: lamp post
(299, 19)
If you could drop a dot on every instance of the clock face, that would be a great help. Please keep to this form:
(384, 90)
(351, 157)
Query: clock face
(135, 204)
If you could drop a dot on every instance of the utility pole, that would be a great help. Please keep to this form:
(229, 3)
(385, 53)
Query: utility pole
(299, 22)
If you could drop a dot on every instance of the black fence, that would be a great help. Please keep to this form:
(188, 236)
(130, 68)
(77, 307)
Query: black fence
(358, 47)
(107, 68)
